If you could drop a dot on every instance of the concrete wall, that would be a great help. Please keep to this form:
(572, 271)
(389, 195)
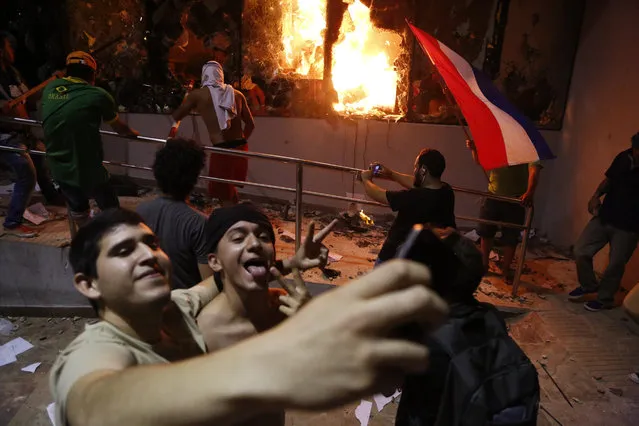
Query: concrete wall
(353, 143)
(34, 276)
(600, 119)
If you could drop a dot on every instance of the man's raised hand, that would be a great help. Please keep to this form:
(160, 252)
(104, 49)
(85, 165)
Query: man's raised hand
(312, 253)
(298, 293)
(342, 341)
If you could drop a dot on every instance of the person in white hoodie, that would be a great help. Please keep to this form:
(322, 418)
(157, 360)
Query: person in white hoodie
(229, 122)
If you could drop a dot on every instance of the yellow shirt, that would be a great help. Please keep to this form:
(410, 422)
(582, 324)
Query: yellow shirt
(510, 181)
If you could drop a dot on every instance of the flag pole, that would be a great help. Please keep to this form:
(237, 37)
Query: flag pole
(447, 94)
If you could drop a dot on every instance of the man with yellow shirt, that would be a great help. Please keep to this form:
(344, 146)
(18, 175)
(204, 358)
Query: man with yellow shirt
(72, 112)
(518, 181)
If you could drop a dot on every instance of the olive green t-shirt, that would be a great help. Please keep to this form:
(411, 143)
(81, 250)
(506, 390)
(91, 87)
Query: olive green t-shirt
(510, 181)
(72, 111)
(102, 346)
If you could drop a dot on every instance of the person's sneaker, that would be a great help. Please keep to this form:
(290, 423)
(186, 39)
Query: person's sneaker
(595, 306)
(634, 377)
(579, 293)
(21, 231)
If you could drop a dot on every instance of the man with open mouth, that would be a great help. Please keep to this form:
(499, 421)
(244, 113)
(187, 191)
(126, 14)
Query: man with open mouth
(242, 254)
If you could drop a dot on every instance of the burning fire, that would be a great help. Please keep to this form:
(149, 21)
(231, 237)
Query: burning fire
(363, 72)
(365, 218)
(303, 28)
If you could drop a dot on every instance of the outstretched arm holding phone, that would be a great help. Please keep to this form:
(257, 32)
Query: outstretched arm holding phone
(372, 190)
(384, 172)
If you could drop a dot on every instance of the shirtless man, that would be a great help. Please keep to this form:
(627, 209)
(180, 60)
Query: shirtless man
(223, 110)
(242, 251)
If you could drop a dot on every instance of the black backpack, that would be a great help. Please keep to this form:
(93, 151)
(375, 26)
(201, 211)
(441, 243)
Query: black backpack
(489, 380)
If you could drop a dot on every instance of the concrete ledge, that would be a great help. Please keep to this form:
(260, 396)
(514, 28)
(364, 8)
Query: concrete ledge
(47, 311)
(34, 275)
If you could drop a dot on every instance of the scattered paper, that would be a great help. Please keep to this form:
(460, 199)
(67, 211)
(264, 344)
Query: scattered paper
(31, 368)
(39, 209)
(33, 218)
(17, 346)
(472, 235)
(381, 401)
(334, 257)
(51, 412)
(36, 214)
(6, 327)
(363, 412)
(6, 356)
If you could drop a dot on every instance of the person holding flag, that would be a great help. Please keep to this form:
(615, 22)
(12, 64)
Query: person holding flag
(519, 181)
(505, 143)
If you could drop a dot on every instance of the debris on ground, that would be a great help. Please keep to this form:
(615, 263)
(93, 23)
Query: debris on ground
(363, 243)
(10, 350)
(331, 274)
(6, 327)
(31, 368)
(577, 400)
(616, 391)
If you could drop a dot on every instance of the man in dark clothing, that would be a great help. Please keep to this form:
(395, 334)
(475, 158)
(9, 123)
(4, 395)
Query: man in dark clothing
(426, 198)
(466, 354)
(615, 222)
(179, 227)
(25, 168)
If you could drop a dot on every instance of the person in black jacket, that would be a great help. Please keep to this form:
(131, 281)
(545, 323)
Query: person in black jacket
(466, 354)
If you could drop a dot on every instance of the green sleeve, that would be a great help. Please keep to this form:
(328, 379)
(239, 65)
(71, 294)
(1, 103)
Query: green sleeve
(109, 109)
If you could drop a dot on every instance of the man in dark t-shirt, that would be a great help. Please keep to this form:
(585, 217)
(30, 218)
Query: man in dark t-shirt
(179, 227)
(615, 222)
(426, 198)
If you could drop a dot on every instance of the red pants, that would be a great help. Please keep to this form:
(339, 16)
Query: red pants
(227, 167)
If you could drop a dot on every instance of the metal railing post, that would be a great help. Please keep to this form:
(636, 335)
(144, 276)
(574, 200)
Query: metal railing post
(299, 188)
(524, 246)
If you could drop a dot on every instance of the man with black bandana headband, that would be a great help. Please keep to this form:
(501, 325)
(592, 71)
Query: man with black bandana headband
(242, 255)
(426, 198)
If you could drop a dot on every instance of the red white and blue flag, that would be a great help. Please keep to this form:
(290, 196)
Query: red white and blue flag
(502, 134)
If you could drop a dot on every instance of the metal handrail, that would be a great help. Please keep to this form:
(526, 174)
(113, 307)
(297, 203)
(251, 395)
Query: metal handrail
(298, 190)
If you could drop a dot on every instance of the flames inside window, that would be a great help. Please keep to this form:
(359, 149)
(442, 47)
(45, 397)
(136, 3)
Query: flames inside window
(286, 45)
